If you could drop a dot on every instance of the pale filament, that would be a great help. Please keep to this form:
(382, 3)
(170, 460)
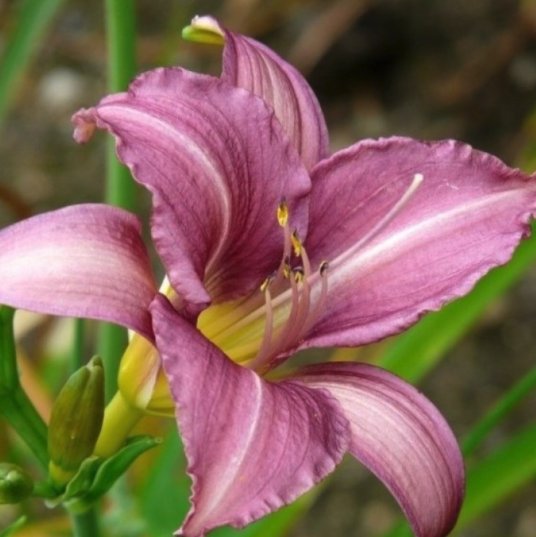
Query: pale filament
(266, 324)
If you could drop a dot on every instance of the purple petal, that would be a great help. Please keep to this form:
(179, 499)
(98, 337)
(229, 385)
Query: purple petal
(252, 446)
(81, 261)
(402, 438)
(218, 164)
(467, 217)
(253, 66)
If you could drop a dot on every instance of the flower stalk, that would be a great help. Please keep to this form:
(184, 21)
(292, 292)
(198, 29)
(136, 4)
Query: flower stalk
(120, 189)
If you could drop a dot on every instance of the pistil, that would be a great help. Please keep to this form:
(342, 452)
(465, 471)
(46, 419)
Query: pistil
(264, 326)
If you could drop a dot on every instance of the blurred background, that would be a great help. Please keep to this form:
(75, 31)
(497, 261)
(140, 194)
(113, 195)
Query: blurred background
(428, 69)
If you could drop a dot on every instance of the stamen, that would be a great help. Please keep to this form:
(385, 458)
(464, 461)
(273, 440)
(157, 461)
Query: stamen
(268, 328)
(294, 297)
(296, 243)
(268, 281)
(283, 213)
(297, 272)
(319, 306)
(261, 359)
(286, 267)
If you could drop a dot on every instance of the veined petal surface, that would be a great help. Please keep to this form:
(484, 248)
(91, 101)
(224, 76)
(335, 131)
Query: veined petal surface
(253, 66)
(402, 438)
(218, 164)
(81, 261)
(252, 446)
(467, 216)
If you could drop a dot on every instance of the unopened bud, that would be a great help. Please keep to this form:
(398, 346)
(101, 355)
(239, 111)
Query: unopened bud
(142, 382)
(15, 484)
(204, 30)
(76, 421)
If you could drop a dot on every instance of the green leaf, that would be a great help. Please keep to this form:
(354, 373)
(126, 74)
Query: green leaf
(167, 480)
(15, 406)
(114, 467)
(17, 525)
(497, 476)
(97, 476)
(31, 23)
(499, 411)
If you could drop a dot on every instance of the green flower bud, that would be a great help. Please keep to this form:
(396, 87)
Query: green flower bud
(76, 421)
(15, 483)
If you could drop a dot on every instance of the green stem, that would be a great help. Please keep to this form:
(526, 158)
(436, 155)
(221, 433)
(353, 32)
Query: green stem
(77, 353)
(86, 524)
(120, 189)
(15, 406)
(29, 26)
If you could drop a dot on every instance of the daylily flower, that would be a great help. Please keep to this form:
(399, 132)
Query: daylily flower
(272, 246)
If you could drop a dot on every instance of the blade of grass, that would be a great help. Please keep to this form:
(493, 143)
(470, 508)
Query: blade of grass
(499, 411)
(497, 476)
(120, 188)
(33, 18)
(167, 479)
(15, 406)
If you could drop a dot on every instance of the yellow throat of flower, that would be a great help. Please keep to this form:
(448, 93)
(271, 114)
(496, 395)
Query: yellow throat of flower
(251, 331)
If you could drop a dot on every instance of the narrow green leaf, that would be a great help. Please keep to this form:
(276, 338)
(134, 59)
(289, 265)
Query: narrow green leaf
(114, 467)
(15, 406)
(494, 478)
(499, 411)
(12, 528)
(168, 480)
(33, 18)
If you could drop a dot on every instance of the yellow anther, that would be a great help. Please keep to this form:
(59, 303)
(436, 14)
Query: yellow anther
(267, 282)
(298, 274)
(282, 213)
(296, 243)
(324, 266)
(286, 267)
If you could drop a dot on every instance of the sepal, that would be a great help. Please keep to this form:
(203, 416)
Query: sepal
(96, 476)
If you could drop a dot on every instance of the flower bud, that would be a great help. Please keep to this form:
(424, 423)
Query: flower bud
(76, 421)
(142, 382)
(15, 484)
(204, 30)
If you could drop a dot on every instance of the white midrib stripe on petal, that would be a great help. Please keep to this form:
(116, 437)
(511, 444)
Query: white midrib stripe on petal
(169, 131)
(386, 248)
(228, 479)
